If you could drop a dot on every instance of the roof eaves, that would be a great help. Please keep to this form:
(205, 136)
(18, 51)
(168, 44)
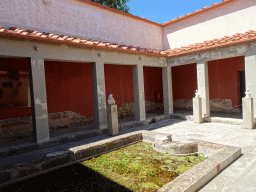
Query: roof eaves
(120, 12)
(216, 43)
(16, 33)
(197, 12)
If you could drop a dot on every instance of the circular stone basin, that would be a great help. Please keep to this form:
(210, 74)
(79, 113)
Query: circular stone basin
(185, 147)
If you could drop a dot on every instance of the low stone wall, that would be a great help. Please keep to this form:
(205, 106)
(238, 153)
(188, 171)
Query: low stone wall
(67, 119)
(127, 109)
(221, 105)
(23, 127)
(185, 104)
(216, 105)
(16, 127)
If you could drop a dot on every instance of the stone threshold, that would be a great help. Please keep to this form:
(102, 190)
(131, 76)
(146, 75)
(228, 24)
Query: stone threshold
(209, 119)
(219, 157)
(71, 137)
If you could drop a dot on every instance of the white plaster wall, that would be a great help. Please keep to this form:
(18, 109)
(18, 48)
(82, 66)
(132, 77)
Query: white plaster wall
(237, 17)
(77, 19)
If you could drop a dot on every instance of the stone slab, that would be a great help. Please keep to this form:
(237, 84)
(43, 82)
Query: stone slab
(151, 136)
(178, 148)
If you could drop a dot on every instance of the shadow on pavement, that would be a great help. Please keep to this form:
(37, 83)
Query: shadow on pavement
(75, 178)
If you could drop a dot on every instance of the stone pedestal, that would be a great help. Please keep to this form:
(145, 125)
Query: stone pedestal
(112, 120)
(248, 115)
(197, 110)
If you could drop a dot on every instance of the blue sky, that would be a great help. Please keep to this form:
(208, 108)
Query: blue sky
(166, 10)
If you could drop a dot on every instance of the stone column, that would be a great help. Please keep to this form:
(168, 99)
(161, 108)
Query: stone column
(38, 100)
(99, 95)
(167, 90)
(203, 87)
(250, 75)
(139, 96)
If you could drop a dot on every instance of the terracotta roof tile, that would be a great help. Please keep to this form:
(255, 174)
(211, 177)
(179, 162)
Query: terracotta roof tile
(225, 41)
(61, 39)
(14, 32)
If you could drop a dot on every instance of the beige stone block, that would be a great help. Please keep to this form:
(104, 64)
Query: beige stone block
(197, 110)
(112, 120)
(248, 113)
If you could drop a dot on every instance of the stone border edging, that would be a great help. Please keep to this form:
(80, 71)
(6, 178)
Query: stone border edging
(202, 173)
(57, 159)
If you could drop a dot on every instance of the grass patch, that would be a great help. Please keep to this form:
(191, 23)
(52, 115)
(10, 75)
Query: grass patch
(139, 167)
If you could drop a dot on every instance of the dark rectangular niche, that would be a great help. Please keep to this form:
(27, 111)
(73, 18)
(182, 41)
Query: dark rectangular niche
(9, 84)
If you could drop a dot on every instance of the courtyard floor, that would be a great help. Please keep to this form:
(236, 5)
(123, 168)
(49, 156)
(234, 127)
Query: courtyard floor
(239, 176)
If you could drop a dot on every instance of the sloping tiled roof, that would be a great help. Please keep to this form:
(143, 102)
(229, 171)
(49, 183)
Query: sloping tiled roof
(14, 32)
(207, 8)
(215, 43)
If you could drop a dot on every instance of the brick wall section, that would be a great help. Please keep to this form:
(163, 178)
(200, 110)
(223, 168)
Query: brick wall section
(127, 109)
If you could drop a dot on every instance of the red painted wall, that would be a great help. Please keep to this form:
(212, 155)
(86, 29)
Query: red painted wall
(69, 87)
(15, 112)
(153, 84)
(224, 78)
(14, 64)
(184, 81)
(119, 82)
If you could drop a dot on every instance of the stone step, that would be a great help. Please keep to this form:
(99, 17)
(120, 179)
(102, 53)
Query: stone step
(209, 119)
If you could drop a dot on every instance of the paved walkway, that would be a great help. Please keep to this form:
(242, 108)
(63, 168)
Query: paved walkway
(239, 176)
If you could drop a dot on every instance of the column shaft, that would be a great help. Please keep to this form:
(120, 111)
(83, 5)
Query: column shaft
(99, 95)
(38, 100)
(139, 96)
(167, 90)
(250, 77)
(203, 87)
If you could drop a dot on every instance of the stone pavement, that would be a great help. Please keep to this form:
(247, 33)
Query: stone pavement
(239, 176)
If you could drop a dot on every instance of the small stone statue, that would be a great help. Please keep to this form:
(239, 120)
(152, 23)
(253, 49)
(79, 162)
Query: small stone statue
(247, 94)
(197, 94)
(111, 100)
